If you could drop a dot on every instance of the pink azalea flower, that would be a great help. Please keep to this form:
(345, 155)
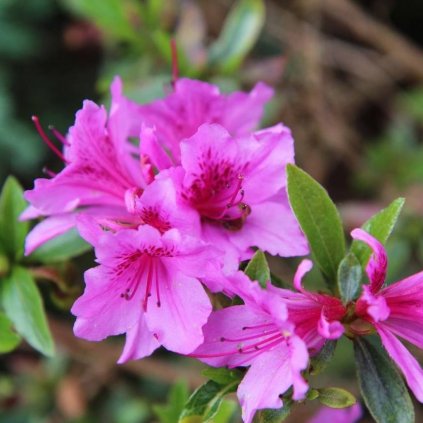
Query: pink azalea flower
(317, 317)
(237, 185)
(259, 335)
(99, 169)
(193, 103)
(147, 286)
(394, 311)
(333, 415)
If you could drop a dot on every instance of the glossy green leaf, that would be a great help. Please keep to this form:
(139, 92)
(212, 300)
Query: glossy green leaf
(12, 232)
(61, 248)
(170, 412)
(204, 403)
(381, 385)
(226, 411)
(23, 305)
(336, 397)
(349, 277)
(319, 219)
(274, 415)
(258, 269)
(239, 34)
(222, 375)
(9, 339)
(380, 226)
(320, 361)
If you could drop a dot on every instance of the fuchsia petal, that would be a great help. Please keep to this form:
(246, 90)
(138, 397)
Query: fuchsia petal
(335, 415)
(223, 332)
(48, 229)
(329, 330)
(374, 305)
(149, 145)
(272, 227)
(304, 267)
(184, 309)
(376, 267)
(408, 289)
(271, 375)
(410, 330)
(242, 111)
(408, 365)
(140, 342)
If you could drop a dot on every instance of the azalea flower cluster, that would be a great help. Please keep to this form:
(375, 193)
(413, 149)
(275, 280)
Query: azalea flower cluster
(174, 195)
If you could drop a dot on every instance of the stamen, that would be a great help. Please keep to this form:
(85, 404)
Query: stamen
(257, 326)
(47, 140)
(175, 64)
(159, 303)
(49, 172)
(148, 287)
(247, 338)
(237, 191)
(58, 135)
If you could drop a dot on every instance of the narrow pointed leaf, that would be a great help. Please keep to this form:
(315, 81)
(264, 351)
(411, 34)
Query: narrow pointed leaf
(319, 219)
(274, 415)
(239, 34)
(204, 403)
(23, 305)
(349, 277)
(381, 385)
(336, 397)
(222, 375)
(12, 231)
(9, 339)
(258, 269)
(380, 226)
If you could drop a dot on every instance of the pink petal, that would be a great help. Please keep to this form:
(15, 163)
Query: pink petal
(408, 365)
(334, 415)
(304, 267)
(329, 330)
(101, 311)
(149, 145)
(270, 375)
(243, 111)
(224, 327)
(48, 229)
(272, 227)
(184, 310)
(410, 330)
(408, 289)
(373, 305)
(376, 267)
(140, 342)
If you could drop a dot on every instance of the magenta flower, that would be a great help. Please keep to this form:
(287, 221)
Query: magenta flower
(100, 168)
(237, 185)
(333, 415)
(193, 103)
(317, 317)
(147, 287)
(394, 311)
(257, 334)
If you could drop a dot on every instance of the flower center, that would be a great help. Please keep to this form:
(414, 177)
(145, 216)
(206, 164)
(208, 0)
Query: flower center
(217, 193)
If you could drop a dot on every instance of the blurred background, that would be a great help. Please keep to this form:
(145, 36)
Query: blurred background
(348, 77)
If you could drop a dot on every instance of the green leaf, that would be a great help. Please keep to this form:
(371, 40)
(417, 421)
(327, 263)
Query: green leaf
(170, 412)
(12, 232)
(380, 226)
(222, 375)
(381, 385)
(9, 339)
(204, 403)
(239, 34)
(274, 415)
(336, 397)
(349, 277)
(23, 305)
(319, 362)
(258, 269)
(225, 412)
(319, 219)
(61, 248)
